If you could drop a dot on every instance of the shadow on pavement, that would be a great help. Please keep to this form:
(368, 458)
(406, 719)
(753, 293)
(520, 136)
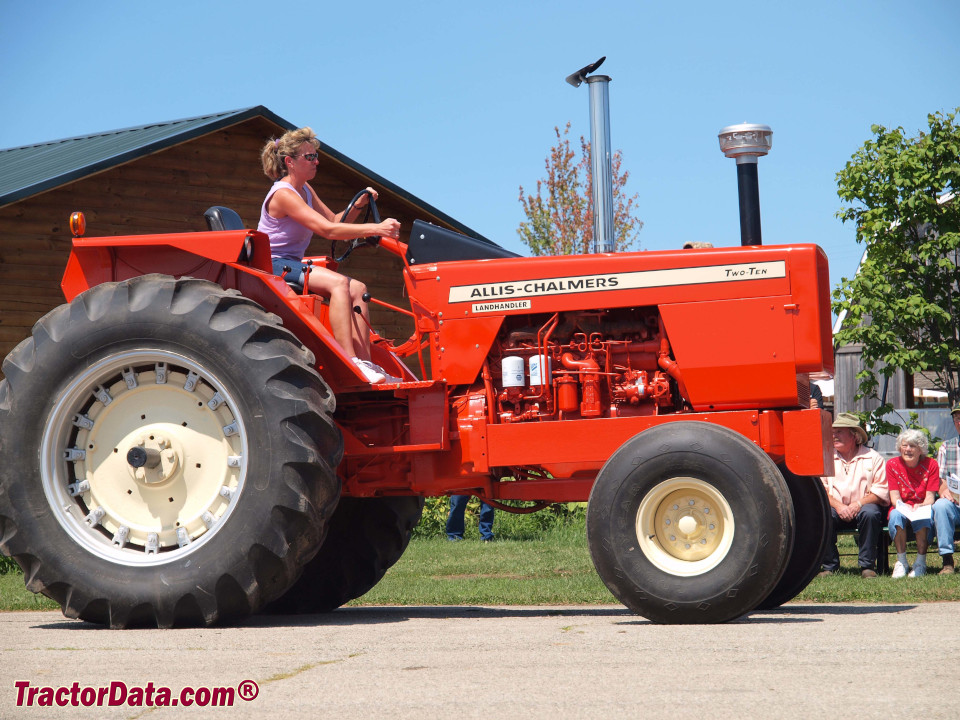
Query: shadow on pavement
(835, 609)
(367, 615)
(370, 615)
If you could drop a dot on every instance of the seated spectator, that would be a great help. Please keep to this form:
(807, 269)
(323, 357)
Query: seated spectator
(857, 493)
(913, 479)
(946, 513)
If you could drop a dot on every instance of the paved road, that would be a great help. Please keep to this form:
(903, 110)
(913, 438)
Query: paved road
(801, 661)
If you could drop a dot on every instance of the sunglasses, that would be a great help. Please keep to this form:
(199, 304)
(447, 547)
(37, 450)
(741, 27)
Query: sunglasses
(309, 157)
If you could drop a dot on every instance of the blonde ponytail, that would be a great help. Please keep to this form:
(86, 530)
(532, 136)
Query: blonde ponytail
(276, 149)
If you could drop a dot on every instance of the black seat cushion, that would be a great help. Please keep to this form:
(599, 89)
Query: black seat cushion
(223, 218)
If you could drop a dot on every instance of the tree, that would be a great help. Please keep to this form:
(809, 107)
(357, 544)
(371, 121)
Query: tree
(560, 214)
(902, 305)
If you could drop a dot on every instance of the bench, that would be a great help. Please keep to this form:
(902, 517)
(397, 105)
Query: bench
(884, 543)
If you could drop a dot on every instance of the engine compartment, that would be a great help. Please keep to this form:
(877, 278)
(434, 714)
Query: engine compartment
(578, 365)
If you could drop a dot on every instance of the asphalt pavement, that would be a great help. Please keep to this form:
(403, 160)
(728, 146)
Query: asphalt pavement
(800, 661)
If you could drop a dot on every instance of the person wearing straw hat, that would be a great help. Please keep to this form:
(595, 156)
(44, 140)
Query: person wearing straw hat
(857, 492)
(946, 513)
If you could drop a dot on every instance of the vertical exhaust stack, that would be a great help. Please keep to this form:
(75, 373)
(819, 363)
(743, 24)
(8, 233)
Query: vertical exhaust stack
(601, 156)
(746, 143)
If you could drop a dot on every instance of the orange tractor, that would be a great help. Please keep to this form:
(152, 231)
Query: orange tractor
(185, 443)
(191, 445)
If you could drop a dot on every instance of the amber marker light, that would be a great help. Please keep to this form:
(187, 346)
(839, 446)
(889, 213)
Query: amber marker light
(78, 224)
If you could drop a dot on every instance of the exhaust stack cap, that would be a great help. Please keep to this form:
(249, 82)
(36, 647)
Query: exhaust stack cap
(575, 78)
(746, 142)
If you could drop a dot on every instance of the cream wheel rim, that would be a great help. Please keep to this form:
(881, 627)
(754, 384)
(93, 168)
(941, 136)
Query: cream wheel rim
(143, 457)
(685, 526)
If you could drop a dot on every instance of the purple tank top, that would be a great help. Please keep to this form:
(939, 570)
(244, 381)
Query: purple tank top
(288, 238)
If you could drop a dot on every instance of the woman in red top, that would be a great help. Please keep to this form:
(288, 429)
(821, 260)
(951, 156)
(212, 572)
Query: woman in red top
(913, 478)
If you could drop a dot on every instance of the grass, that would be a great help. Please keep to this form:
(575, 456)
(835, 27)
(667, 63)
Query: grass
(556, 570)
(14, 596)
(551, 566)
(553, 570)
(847, 585)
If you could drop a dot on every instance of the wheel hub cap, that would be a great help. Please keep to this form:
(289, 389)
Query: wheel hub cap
(153, 459)
(684, 526)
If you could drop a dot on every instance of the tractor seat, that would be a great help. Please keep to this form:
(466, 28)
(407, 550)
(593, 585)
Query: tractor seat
(222, 218)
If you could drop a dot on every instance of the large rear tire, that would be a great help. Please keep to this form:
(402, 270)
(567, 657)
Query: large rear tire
(367, 536)
(167, 455)
(812, 534)
(690, 522)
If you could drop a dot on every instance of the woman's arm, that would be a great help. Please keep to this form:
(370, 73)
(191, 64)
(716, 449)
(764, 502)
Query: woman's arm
(287, 203)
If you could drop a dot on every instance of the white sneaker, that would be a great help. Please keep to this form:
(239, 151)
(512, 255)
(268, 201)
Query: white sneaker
(899, 570)
(387, 377)
(918, 570)
(367, 368)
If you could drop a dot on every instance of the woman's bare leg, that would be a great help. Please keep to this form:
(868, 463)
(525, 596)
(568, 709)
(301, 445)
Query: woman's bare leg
(922, 541)
(900, 540)
(336, 287)
(360, 322)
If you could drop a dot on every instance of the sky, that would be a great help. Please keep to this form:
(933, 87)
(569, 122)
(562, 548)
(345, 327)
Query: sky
(456, 102)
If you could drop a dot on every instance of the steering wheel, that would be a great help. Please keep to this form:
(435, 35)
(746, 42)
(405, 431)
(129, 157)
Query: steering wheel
(372, 241)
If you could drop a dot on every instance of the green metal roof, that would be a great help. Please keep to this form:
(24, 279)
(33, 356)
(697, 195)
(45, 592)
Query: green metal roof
(26, 171)
(29, 170)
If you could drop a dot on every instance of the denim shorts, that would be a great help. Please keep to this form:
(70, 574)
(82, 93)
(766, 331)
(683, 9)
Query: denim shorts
(296, 269)
(898, 520)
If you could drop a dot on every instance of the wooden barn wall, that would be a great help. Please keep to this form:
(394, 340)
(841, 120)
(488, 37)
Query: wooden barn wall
(849, 361)
(168, 192)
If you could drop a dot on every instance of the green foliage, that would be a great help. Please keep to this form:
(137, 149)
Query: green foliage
(506, 525)
(876, 423)
(534, 526)
(933, 441)
(433, 521)
(8, 565)
(560, 215)
(902, 305)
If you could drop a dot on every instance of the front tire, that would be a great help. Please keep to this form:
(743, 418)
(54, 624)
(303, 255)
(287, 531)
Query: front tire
(690, 522)
(167, 455)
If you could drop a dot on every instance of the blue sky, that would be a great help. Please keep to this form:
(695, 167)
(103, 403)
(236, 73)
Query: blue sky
(456, 102)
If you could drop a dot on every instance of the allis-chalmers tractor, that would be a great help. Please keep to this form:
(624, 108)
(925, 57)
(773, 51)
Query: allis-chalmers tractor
(184, 442)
